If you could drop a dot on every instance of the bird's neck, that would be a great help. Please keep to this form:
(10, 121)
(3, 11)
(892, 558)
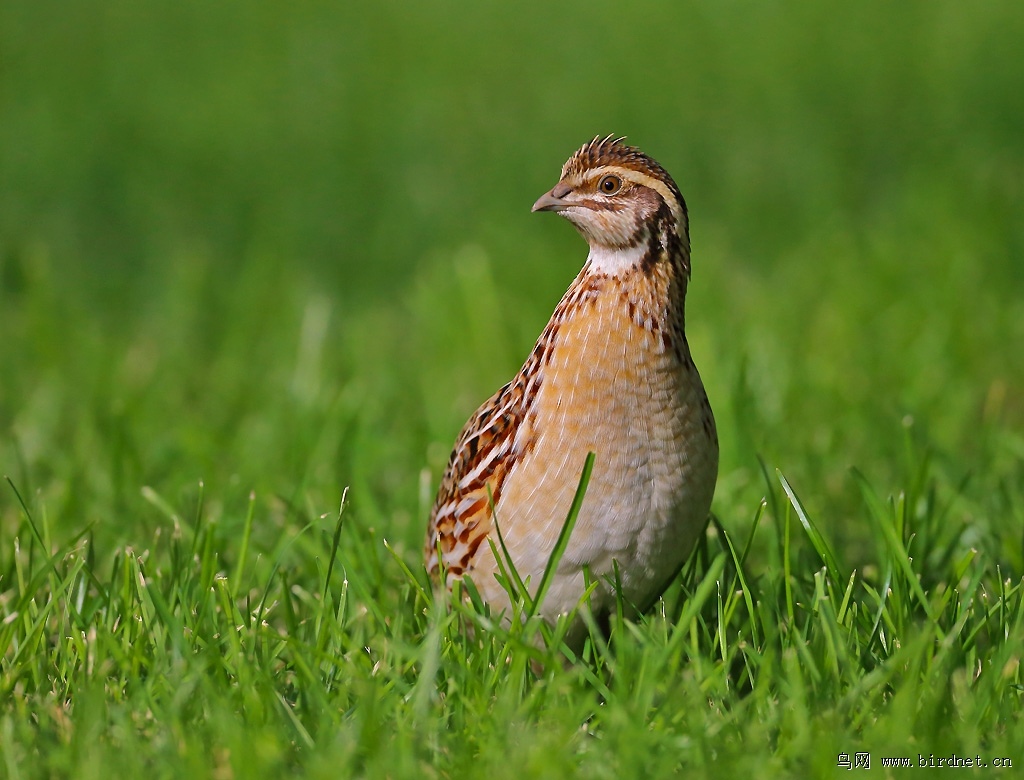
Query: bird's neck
(655, 269)
(657, 247)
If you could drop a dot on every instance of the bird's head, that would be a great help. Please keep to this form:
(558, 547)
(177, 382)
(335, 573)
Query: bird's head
(618, 198)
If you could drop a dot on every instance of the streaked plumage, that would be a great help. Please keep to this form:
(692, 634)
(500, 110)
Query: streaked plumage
(611, 373)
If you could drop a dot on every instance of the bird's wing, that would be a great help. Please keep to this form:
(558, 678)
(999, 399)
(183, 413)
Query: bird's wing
(483, 455)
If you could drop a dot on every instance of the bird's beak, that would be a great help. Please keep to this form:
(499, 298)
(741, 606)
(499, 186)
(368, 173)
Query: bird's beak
(553, 201)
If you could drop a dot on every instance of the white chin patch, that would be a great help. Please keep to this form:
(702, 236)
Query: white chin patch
(616, 261)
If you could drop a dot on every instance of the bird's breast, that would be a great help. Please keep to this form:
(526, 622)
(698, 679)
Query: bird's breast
(614, 378)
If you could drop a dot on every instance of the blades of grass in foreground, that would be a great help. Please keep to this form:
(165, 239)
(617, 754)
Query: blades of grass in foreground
(420, 590)
(893, 541)
(335, 541)
(28, 516)
(563, 535)
(738, 564)
(694, 604)
(273, 571)
(817, 540)
(236, 581)
(787, 572)
(515, 586)
(506, 568)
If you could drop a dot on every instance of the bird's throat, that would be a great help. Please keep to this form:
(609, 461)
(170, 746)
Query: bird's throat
(617, 261)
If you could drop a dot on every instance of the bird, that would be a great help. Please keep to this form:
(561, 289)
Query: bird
(612, 374)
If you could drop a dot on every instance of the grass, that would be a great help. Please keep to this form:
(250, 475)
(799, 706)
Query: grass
(252, 257)
(159, 663)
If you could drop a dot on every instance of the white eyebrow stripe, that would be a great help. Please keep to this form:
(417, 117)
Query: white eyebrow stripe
(645, 181)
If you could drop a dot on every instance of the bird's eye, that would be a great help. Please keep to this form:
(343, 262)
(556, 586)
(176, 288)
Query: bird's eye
(609, 185)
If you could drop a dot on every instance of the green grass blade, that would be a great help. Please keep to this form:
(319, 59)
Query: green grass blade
(236, 581)
(895, 543)
(817, 540)
(563, 536)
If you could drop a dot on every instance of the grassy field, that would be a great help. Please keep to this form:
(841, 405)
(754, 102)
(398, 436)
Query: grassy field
(252, 255)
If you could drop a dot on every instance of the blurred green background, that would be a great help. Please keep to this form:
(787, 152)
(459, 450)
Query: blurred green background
(288, 247)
